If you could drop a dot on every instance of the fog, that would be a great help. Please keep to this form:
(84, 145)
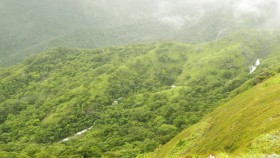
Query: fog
(178, 13)
(175, 13)
(26, 23)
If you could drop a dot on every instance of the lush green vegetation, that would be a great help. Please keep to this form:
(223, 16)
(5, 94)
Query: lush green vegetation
(99, 87)
(125, 93)
(246, 126)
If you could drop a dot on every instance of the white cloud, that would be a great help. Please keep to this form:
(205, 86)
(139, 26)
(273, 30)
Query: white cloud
(267, 10)
(177, 13)
(253, 7)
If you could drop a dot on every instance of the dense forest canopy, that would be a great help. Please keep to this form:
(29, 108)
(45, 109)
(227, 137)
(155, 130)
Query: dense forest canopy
(139, 78)
(130, 98)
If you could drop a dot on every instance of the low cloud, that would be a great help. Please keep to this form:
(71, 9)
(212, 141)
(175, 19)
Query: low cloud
(257, 8)
(178, 13)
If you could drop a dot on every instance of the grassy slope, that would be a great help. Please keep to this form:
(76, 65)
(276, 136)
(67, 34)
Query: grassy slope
(247, 125)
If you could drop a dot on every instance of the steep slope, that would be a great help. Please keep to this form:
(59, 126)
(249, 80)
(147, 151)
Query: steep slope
(248, 125)
(130, 99)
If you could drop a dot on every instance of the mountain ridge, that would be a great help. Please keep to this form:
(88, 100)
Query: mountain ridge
(165, 87)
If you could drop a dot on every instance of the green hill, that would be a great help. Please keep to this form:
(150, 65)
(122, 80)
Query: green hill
(131, 99)
(246, 126)
(95, 37)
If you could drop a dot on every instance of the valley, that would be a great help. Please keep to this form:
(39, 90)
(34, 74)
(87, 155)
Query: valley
(139, 79)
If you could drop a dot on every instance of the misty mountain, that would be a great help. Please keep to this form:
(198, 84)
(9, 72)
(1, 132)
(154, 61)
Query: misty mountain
(139, 78)
(28, 27)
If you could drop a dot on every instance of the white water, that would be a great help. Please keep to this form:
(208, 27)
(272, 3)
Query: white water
(83, 131)
(116, 102)
(254, 67)
(119, 98)
(258, 62)
(211, 156)
(220, 32)
(77, 134)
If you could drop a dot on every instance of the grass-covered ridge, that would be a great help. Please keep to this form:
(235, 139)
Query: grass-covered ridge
(248, 126)
(135, 97)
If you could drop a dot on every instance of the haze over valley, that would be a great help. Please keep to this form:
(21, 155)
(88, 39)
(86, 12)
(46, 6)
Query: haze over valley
(140, 78)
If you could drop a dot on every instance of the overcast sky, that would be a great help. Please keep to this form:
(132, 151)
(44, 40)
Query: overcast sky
(179, 12)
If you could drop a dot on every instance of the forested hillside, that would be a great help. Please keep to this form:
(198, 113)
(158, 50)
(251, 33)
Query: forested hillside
(131, 99)
(139, 78)
(247, 126)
